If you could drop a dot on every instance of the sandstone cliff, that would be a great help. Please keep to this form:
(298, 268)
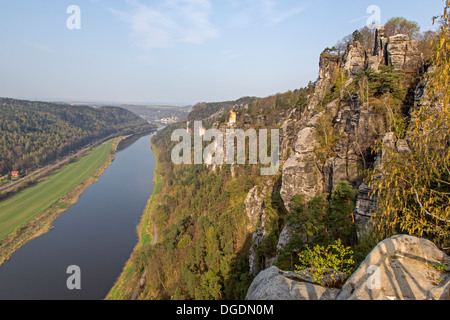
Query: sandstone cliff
(356, 126)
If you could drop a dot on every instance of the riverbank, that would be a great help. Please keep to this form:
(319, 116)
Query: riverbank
(129, 280)
(30, 213)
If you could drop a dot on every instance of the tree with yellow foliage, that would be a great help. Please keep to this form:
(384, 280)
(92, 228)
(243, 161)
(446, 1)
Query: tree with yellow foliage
(414, 187)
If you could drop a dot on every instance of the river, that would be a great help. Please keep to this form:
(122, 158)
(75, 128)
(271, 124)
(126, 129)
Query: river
(97, 234)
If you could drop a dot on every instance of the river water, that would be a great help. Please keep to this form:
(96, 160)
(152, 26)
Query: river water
(97, 234)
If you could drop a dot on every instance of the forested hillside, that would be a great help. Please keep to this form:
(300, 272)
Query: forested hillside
(202, 111)
(200, 214)
(34, 134)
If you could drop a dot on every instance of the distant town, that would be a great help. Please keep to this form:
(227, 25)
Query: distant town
(159, 114)
(163, 115)
(173, 119)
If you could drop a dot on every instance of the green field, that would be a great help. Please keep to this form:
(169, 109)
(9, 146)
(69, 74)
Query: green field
(18, 210)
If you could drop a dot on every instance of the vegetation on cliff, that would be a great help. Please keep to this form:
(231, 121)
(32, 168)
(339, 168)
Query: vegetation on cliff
(203, 229)
(203, 242)
(322, 221)
(414, 187)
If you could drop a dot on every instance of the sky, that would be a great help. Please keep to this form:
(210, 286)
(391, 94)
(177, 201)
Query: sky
(176, 51)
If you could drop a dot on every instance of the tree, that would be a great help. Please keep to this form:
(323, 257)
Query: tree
(400, 25)
(327, 264)
(368, 39)
(414, 187)
(307, 219)
(357, 36)
(426, 43)
(364, 35)
(342, 45)
(341, 221)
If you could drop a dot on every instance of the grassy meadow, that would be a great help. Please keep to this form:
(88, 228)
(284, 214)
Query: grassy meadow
(19, 209)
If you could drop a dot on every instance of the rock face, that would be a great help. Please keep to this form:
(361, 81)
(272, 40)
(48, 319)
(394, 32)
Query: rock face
(399, 268)
(255, 209)
(357, 129)
(380, 45)
(354, 59)
(254, 205)
(402, 53)
(365, 206)
(287, 137)
(272, 284)
(397, 51)
(300, 172)
(306, 170)
(285, 237)
(328, 65)
(356, 126)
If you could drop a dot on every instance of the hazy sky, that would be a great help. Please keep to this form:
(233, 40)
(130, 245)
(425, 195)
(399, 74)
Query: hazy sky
(176, 51)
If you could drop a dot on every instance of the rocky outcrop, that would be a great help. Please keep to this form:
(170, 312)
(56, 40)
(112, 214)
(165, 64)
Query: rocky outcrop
(356, 126)
(301, 175)
(300, 172)
(272, 284)
(379, 52)
(255, 210)
(403, 54)
(399, 268)
(254, 206)
(287, 137)
(397, 51)
(306, 170)
(328, 66)
(357, 129)
(366, 204)
(354, 59)
(285, 237)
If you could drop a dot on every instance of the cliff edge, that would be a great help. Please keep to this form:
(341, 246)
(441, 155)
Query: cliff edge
(399, 268)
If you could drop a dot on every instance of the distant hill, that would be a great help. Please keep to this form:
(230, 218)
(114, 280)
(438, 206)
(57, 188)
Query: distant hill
(204, 111)
(37, 133)
(160, 114)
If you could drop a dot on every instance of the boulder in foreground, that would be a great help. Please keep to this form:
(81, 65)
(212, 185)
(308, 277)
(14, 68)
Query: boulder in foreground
(399, 268)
